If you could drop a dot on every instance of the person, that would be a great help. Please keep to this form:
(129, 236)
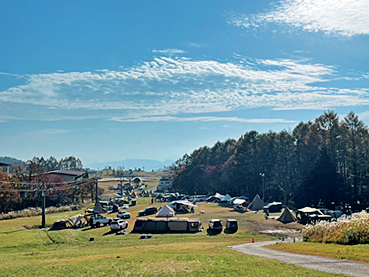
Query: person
(266, 213)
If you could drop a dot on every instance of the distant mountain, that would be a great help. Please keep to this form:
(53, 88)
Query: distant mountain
(12, 161)
(149, 165)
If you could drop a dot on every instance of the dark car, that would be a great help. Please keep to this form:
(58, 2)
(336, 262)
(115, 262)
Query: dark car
(148, 211)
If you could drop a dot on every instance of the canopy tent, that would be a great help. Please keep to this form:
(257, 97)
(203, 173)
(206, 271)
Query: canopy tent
(225, 198)
(287, 216)
(98, 209)
(166, 211)
(256, 204)
(310, 210)
(243, 197)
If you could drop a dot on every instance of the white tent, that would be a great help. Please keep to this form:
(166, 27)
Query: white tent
(238, 201)
(183, 202)
(166, 211)
(287, 216)
(256, 204)
(218, 195)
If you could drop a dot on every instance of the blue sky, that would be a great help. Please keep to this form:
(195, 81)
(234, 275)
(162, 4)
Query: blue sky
(115, 80)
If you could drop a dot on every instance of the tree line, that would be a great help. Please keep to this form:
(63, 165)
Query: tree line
(324, 161)
(23, 188)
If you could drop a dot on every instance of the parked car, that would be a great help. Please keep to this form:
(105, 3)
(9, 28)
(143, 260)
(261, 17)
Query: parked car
(125, 206)
(98, 220)
(232, 225)
(123, 214)
(148, 211)
(118, 224)
(216, 225)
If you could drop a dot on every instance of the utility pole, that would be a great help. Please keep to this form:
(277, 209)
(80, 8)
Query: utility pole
(43, 222)
(97, 190)
(263, 184)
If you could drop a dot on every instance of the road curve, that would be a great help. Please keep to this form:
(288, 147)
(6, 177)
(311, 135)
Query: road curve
(330, 265)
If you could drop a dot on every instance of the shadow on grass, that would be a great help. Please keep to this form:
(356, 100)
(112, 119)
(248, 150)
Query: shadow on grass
(213, 232)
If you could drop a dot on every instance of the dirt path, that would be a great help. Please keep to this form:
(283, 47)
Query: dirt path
(330, 265)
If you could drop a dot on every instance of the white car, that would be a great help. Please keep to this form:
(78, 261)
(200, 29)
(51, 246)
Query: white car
(118, 224)
(123, 214)
(98, 220)
(125, 206)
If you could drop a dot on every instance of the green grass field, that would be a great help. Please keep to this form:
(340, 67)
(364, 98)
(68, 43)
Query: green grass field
(27, 250)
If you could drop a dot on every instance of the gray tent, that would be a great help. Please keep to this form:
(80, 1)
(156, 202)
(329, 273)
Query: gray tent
(287, 216)
(76, 219)
(98, 209)
(256, 204)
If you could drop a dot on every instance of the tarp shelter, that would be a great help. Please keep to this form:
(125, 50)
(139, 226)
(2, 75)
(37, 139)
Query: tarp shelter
(310, 210)
(183, 202)
(256, 204)
(225, 198)
(243, 197)
(166, 211)
(98, 209)
(287, 216)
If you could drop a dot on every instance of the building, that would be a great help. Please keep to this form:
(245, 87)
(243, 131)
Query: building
(68, 175)
(5, 167)
(165, 184)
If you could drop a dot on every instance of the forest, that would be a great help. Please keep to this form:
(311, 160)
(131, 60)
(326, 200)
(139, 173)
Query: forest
(322, 162)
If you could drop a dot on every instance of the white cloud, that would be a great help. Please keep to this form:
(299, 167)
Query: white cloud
(169, 51)
(169, 86)
(340, 17)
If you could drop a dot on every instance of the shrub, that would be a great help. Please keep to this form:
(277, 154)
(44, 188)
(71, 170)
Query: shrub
(352, 229)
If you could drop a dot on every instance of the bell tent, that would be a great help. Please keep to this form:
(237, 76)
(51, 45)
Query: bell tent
(287, 216)
(256, 204)
(166, 212)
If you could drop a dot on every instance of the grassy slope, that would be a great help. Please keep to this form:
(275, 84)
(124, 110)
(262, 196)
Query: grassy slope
(27, 252)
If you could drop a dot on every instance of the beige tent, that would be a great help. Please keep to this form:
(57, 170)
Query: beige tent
(166, 211)
(76, 219)
(310, 210)
(287, 216)
(256, 204)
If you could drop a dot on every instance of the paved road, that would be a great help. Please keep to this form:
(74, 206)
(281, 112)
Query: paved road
(330, 265)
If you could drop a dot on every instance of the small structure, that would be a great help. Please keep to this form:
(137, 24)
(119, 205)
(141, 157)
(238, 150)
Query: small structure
(287, 216)
(257, 204)
(166, 211)
(167, 225)
(309, 215)
(5, 167)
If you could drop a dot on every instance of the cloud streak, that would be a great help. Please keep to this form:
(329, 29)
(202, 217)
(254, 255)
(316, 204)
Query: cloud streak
(344, 18)
(169, 86)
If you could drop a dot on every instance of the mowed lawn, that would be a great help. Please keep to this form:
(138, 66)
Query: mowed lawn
(26, 250)
(359, 253)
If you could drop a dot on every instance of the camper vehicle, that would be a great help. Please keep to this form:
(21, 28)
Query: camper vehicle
(148, 211)
(232, 225)
(118, 224)
(216, 225)
(274, 207)
(167, 225)
(98, 220)
(123, 214)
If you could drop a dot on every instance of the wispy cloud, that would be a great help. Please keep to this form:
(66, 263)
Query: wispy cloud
(169, 51)
(202, 119)
(345, 17)
(169, 86)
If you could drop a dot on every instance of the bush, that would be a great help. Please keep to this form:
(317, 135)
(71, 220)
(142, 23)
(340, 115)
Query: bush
(38, 211)
(353, 229)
